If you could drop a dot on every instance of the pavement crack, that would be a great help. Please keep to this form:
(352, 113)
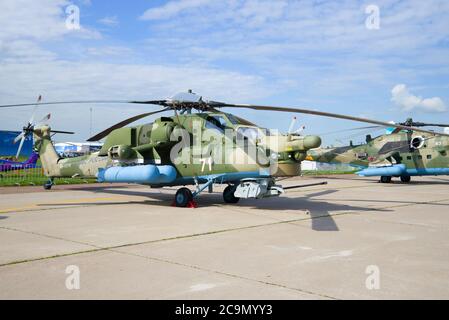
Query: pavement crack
(96, 248)
(99, 248)
(195, 267)
(49, 236)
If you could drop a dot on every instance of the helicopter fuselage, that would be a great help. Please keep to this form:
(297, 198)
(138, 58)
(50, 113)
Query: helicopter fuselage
(401, 154)
(185, 149)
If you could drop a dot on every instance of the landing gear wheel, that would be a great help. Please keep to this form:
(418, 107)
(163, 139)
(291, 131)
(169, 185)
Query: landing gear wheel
(228, 195)
(406, 179)
(385, 179)
(183, 197)
(48, 184)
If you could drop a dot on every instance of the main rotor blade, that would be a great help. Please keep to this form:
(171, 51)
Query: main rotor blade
(123, 123)
(329, 115)
(422, 124)
(164, 103)
(155, 102)
(46, 118)
(60, 102)
(350, 129)
(62, 132)
(39, 99)
(244, 121)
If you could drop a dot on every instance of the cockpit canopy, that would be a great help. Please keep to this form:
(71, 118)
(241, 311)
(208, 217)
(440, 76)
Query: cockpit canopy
(223, 121)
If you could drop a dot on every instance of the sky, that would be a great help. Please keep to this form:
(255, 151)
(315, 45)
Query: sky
(333, 56)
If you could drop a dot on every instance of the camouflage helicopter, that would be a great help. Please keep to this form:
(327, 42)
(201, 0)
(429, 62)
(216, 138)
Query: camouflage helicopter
(190, 148)
(398, 153)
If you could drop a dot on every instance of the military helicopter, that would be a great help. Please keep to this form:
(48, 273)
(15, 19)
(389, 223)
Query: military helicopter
(398, 153)
(191, 148)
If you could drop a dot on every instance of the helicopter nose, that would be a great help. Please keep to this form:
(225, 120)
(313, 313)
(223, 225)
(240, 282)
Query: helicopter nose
(312, 142)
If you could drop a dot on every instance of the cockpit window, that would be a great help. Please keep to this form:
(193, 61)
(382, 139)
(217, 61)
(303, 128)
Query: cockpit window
(216, 122)
(252, 134)
(233, 119)
(249, 133)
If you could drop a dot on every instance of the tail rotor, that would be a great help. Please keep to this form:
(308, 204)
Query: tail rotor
(28, 129)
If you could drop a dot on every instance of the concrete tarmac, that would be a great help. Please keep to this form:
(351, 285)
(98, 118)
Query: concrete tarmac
(351, 239)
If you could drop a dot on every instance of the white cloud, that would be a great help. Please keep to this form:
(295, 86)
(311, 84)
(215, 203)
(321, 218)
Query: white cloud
(23, 51)
(37, 20)
(172, 8)
(409, 102)
(72, 80)
(64, 81)
(109, 51)
(29, 27)
(86, 2)
(281, 52)
(269, 35)
(111, 21)
(32, 19)
(257, 12)
(46, 60)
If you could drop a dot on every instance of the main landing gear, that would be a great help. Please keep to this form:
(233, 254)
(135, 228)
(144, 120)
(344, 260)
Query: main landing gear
(49, 184)
(184, 198)
(387, 179)
(228, 194)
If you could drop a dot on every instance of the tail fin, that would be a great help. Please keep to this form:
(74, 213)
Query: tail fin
(46, 150)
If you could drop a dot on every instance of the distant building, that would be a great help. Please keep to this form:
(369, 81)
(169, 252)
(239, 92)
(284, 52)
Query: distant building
(74, 149)
(317, 166)
(9, 149)
(309, 165)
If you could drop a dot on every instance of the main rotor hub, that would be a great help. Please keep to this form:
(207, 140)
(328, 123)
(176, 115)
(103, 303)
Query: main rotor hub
(188, 101)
